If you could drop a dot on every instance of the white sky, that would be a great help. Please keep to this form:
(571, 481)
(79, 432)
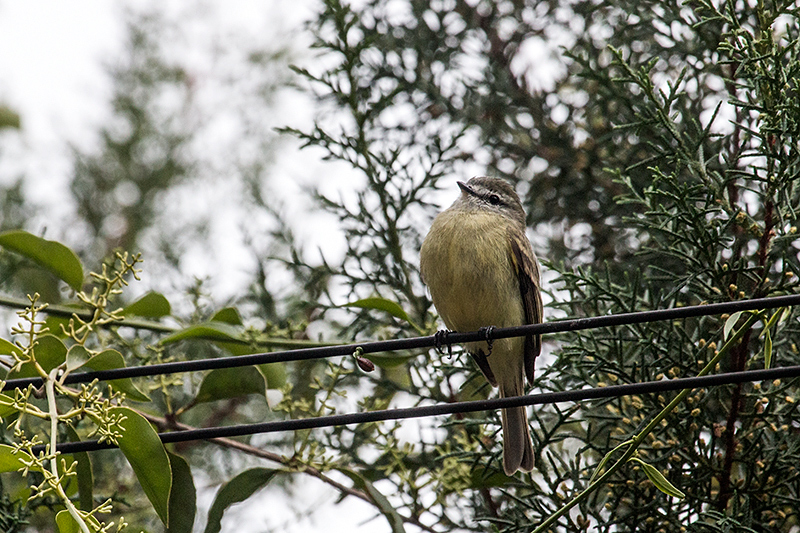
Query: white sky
(52, 57)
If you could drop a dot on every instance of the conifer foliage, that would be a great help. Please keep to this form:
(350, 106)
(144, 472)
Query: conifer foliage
(661, 163)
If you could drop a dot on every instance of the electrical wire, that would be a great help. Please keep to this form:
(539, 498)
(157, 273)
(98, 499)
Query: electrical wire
(449, 338)
(664, 385)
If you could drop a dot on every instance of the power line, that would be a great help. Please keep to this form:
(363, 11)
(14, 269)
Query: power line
(556, 326)
(664, 385)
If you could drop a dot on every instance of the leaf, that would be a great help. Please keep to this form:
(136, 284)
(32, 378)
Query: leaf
(224, 335)
(6, 405)
(785, 314)
(65, 523)
(10, 461)
(151, 305)
(9, 348)
(389, 359)
(658, 479)
(49, 351)
(110, 360)
(767, 350)
(182, 497)
(83, 471)
(227, 383)
(147, 456)
(382, 304)
(54, 323)
(274, 374)
(237, 490)
(52, 256)
(231, 383)
(228, 315)
(209, 330)
(9, 118)
(77, 356)
(395, 520)
(729, 324)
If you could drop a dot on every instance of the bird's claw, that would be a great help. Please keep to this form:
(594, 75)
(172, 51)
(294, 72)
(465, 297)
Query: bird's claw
(440, 341)
(488, 332)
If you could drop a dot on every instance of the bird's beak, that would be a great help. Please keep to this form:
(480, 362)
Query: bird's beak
(466, 188)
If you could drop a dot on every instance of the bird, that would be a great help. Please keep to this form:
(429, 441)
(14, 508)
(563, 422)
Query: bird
(481, 272)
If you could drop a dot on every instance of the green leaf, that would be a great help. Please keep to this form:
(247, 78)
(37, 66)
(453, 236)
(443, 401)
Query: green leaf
(767, 350)
(54, 323)
(49, 351)
(729, 324)
(274, 374)
(658, 479)
(10, 461)
(209, 330)
(237, 490)
(9, 118)
(225, 335)
(227, 383)
(112, 359)
(52, 256)
(9, 348)
(148, 458)
(83, 471)
(66, 524)
(6, 405)
(395, 520)
(228, 315)
(182, 497)
(382, 304)
(151, 305)
(389, 359)
(77, 356)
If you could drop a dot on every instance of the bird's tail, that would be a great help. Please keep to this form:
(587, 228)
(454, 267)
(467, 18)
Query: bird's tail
(517, 445)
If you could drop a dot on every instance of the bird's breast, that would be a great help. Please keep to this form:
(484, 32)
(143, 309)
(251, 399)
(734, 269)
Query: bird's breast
(465, 262)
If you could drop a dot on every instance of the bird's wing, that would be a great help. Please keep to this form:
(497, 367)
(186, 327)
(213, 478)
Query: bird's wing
(527, 270)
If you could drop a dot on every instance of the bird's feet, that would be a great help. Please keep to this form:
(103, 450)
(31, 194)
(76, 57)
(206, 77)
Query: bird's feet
(488, 332)
(440, 341)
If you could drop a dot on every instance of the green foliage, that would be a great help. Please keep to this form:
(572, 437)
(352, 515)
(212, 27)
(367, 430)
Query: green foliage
(236, 490)
(90, 341)
(661, 170)
(657, 153)
(53, 256)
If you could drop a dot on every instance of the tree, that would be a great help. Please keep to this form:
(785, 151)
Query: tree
(660, 170)
(673, 137)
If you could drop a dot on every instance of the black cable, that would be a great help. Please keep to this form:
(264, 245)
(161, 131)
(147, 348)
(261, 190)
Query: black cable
(663, 385)
(556, 326)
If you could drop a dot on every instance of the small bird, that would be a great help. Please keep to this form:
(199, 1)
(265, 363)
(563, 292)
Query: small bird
(482, 273)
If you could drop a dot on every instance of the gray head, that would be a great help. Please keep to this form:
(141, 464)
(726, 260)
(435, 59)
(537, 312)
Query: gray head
(493, 194)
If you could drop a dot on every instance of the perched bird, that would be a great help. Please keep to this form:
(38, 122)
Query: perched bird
(481, 272)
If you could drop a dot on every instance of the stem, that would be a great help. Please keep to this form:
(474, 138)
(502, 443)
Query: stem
(55, 483)
(637, 440)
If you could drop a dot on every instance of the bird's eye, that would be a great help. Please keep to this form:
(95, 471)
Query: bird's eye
(494, 199)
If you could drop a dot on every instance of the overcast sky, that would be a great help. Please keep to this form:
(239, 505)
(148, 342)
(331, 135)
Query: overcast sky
(53, 58)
